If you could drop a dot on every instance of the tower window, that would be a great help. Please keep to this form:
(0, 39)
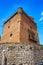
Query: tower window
(33, 35)
(8, 26)
(11, 35)
(28, 36)
(31, 27)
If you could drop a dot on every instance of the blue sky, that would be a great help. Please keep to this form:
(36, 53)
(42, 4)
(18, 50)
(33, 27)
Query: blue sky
(31, 7)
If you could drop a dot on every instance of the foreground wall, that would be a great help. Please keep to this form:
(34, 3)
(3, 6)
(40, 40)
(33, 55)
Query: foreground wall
(20, 54)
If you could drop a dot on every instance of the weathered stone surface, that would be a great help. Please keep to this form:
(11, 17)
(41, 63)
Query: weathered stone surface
(26, 54)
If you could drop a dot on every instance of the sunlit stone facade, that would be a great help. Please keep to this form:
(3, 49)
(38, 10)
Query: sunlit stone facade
(20, 28)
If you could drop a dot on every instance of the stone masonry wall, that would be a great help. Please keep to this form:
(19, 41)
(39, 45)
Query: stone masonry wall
(21, 54)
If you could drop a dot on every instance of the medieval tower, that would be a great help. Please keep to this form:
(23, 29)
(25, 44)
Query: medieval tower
(20, 28)
(19, 43)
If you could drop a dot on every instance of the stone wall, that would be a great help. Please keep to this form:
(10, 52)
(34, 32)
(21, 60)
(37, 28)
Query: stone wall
(21, 54)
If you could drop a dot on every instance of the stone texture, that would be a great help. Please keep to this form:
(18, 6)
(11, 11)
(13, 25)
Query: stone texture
(29, 54)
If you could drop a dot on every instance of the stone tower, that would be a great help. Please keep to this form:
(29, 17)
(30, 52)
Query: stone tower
(19, 41)
(20, 28)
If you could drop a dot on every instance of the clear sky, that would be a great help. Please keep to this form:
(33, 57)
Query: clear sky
(31, 7)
